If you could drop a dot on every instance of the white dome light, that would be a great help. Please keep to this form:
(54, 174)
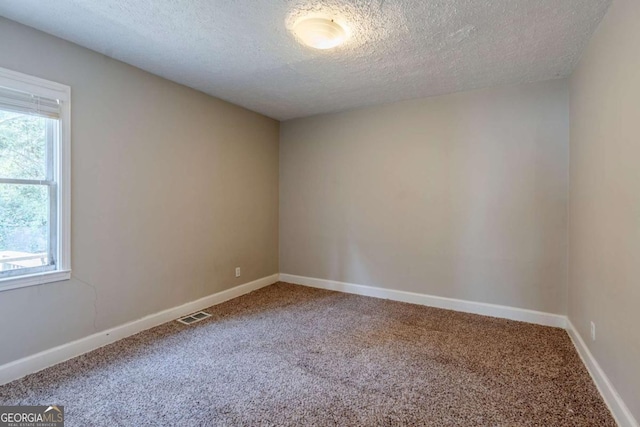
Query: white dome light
(320, 33)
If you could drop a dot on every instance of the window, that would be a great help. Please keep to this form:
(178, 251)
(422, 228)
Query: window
(34, 180)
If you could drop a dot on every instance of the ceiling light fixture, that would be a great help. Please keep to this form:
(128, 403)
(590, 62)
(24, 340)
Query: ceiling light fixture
(320, 33)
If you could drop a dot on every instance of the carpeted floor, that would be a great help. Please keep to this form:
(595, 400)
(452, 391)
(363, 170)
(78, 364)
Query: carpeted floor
(290, 355)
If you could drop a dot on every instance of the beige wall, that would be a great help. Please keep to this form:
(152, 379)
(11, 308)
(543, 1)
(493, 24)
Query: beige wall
(459, 196)
(604, 241)
(171, 190)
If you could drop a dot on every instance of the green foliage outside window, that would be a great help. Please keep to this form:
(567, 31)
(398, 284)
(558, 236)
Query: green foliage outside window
(23, 208)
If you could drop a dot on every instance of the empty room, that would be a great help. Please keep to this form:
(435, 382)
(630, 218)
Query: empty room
(319, 213)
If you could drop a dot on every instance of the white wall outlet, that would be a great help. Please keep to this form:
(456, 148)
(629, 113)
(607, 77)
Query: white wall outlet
(237, 271)
(593, 331)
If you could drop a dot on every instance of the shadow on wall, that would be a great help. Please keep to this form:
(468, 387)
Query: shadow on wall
(462, 196)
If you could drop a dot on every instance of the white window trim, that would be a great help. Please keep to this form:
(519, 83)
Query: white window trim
(52, 90)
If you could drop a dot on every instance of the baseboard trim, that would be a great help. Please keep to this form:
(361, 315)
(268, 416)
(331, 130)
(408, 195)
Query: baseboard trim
(618, 408)
(616, 405)
(485, 309)
(39, 361)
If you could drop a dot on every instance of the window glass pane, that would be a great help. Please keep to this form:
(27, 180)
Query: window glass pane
(23, 146)
(24, 226)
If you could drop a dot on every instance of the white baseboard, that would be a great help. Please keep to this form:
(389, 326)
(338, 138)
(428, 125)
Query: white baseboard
(618, 408)
(616, 405)
(505, 312)
(34, 363)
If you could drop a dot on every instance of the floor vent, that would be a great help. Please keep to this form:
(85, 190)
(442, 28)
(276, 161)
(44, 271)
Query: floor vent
(193, 318)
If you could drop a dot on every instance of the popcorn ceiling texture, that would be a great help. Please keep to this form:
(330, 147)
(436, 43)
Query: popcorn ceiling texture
(242, 50)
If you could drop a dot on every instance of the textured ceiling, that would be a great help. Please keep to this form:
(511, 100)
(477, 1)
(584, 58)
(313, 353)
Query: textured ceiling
(242, 51)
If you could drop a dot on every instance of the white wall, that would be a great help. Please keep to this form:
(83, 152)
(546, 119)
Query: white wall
(459, 196)
(604, 284)
(171, 190)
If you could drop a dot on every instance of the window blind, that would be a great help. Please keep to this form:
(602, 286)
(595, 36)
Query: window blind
(26, 103)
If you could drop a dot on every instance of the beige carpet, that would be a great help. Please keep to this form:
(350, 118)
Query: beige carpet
(290, 355)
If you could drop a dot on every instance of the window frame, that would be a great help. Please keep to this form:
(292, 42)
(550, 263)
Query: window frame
(60, 192)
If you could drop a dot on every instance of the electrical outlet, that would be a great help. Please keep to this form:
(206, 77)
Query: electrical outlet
(593, 331)
(237, 271)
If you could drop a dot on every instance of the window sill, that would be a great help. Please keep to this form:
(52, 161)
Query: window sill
(34, 279)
